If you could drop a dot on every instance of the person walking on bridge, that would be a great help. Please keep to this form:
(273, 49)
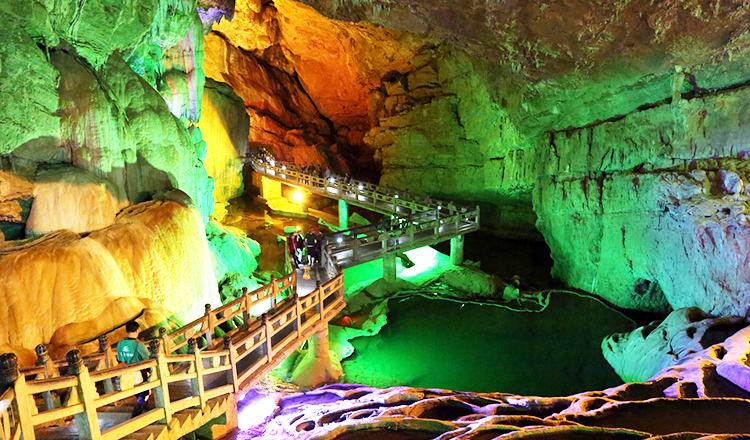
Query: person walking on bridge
(295, 244)
(129, 351)
(313, 242)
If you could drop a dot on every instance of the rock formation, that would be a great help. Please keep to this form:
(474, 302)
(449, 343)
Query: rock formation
(151, 251)
(643, 353)
(305, 79)
(712, 384)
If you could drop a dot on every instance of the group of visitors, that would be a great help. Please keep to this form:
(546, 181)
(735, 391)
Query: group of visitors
(310, 245)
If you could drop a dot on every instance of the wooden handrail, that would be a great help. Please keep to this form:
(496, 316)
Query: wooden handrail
(284, 326)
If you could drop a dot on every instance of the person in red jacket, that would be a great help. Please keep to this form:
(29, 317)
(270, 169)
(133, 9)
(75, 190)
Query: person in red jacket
(296, 245)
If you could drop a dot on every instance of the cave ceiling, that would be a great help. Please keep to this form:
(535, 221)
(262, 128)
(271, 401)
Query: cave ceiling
(543, 58)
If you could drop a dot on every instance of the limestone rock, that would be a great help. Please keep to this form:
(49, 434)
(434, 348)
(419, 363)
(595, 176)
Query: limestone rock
(471, 280)
(662, 223)
(116, 125)
(28, 99)
(71, 198)
(639, 355)
(231, 251)
(154, 250)
(225, 127)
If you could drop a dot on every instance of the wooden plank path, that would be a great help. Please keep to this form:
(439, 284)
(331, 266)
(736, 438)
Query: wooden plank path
(416, 220)
(77, 399)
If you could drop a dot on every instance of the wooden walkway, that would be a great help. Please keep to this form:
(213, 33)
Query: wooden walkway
(416, 220)
(77, 398)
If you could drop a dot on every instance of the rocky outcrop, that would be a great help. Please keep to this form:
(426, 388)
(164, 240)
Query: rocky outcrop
(224, 126)
(70, 198)
(438, 131)
(15, 199)
(115, 124)
(641, 354)
(661, 223)
(305, 79)
(154, 250)
(704, 396)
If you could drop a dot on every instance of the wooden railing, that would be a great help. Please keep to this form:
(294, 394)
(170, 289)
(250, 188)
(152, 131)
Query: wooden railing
(374, 197)
(362, 244)
(270, 293)
(178, 381)
(417, 221)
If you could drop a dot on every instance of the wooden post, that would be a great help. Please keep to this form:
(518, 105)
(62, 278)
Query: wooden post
(166, 346)
(232, 373)
(272, 292)
(245, 306)
(10, 376)
(161, 393)
(320, 298)
(87, 422)
(268, 332)
(106, 350)
(298, 324)
(197, 383)
(42, 359)
(210, 324)
(437, 221)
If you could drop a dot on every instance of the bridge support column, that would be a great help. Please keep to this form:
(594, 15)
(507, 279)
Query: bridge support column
(457, 249)
(343, 215)
(269, 189)
(389, 267)
(317, 367)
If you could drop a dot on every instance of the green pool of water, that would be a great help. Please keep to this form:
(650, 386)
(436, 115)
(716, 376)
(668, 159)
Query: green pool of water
(444, 344)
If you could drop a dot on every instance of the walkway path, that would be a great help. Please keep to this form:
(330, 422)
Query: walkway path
(76, 398)
(415, 220)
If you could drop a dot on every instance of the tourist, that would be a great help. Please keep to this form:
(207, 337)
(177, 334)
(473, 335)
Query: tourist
(129, 351)
(313, 244)
(291, 243)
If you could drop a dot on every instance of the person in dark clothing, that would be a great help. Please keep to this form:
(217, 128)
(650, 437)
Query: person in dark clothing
(129, 351)
(313, 242)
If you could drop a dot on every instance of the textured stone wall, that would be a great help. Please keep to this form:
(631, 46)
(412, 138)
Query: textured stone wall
(154, 250)
(650, 211)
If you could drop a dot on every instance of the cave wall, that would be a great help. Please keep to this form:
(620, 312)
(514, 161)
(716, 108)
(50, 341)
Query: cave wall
(616, 132)
(98, 107)
(306, 79)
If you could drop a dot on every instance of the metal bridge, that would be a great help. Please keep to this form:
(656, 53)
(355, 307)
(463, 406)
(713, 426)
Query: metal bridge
(415, 220)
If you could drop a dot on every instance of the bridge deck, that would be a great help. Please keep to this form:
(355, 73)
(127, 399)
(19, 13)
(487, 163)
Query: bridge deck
(418, 220)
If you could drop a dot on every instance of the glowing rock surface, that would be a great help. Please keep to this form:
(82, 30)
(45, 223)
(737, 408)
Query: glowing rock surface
(70, 198)
(154, 250)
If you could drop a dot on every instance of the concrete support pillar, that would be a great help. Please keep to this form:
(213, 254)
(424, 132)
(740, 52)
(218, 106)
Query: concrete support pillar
(317, 367)
(269, 189)
(389, 267)
(457, 249)
(343, 215)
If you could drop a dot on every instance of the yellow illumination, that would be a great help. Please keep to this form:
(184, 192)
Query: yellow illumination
(297, 197)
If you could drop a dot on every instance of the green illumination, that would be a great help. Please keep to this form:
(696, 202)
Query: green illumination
(489, 348)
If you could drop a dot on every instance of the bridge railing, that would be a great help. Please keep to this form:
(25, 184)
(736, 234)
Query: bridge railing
(358, 245)
(245, 357)
(384, 199)
(205, 325)
(9, 429)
